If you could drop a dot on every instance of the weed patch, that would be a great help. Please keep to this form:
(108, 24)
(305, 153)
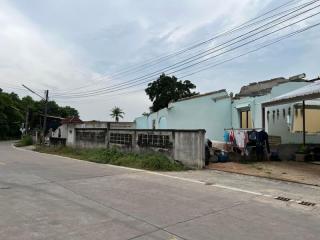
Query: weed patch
(25, 141)
(148, 161)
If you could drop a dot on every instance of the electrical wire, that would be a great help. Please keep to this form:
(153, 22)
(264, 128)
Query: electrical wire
(144, 77)
(252, 51)
(160, 59)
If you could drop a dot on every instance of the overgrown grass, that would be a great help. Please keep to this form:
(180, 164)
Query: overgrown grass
(25, 141)
(148, 161)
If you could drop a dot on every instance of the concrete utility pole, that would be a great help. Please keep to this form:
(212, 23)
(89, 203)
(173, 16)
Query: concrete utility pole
(27, 121)
(45, 98)
(304, 122)
(46, 93)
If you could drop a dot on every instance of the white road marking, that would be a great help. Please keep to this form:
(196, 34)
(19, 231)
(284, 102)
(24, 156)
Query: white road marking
(203, 183)
(237, 189)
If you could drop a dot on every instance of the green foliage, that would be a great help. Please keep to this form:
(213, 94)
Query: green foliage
(10, 116)
(26, 140)
(167, 89)
(13, 111)
(116, 113)
(149, 161)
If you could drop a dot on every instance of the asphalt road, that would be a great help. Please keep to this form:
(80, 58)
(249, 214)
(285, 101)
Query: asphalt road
(49, 197)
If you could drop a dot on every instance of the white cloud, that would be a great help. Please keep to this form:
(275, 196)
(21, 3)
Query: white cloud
(29, 55)
(66, 44)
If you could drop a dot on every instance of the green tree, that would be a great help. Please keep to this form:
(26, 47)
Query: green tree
(117, 113)
(68, 111)
(13, 113)
(11, 116)
(167, 89)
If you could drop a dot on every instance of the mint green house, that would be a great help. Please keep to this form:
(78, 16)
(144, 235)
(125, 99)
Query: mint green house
(216, 111)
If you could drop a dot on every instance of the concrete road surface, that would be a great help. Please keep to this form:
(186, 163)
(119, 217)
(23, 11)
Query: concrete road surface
(49, 197)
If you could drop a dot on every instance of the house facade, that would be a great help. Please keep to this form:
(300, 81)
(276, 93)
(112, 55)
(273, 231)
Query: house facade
(217, 111)
(210, 111)
(69, 125)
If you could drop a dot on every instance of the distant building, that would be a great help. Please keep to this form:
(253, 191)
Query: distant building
(69, 125)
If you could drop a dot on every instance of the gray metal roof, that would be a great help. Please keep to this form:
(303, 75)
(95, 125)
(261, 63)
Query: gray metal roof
(309, 92)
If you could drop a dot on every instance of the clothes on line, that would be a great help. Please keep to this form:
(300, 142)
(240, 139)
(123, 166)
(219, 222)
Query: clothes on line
(242, 139)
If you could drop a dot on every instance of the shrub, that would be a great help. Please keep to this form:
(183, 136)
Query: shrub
(26, 140)
(149, 161)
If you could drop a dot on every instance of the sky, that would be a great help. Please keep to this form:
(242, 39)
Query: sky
(78, 46)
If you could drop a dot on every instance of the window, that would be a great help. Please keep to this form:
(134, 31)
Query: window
(101, 137)
(245, 119)
(90, 136)
(312, 122)
(161, 141)
(120, 138)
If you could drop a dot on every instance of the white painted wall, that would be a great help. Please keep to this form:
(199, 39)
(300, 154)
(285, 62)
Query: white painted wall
(195, 113)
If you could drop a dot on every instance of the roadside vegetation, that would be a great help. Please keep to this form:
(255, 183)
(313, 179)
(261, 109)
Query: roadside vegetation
(13, 112)
(25, 141)
(148, 161)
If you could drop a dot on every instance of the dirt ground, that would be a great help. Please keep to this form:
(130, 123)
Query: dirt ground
(286, 170)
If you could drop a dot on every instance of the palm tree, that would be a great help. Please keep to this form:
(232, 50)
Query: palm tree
(117, 113)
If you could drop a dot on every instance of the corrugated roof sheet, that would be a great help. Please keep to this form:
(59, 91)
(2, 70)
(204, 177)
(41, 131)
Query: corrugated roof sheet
(309, 92)
(70, 120)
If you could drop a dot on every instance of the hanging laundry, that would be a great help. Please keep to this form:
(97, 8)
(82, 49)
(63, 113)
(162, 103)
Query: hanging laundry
(226, 136)
(252, 135)
(231, 136)
(241, 139)
(263, 140)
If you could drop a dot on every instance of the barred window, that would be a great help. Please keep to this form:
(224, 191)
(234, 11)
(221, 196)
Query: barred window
(83, 136)
(90, 136)
(120, 138)
(101, 137)
(161, 141)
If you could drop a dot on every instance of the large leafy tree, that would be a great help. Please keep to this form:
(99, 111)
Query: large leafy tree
(13, 113)
(10, 115)
(117, 113)
(167, 89)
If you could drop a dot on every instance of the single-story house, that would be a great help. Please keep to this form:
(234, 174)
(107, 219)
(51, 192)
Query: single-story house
(216, 111)
(70, 124)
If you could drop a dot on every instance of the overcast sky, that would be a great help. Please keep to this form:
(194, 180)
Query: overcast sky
(79, 45)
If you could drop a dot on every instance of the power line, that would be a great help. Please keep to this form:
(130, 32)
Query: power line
(33, 92)
(251, 51)
(167, 56)
(255, 50)
(199, 55)
(137, 84)
(144, 77)
(46, 100)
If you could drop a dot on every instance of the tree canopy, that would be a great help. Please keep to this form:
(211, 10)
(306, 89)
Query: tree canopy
(13, 113)
(167, 89)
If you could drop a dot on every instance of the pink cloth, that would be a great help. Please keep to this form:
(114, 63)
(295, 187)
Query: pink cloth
(241, 139)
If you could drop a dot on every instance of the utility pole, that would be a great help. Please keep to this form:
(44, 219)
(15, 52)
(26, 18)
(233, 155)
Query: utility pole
(304, 122)
(46, 93)
(27, 121)
(45, 98)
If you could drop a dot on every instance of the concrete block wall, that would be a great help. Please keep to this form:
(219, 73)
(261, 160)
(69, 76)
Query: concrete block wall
(90, 138)
(185, 146)
(189, 148)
